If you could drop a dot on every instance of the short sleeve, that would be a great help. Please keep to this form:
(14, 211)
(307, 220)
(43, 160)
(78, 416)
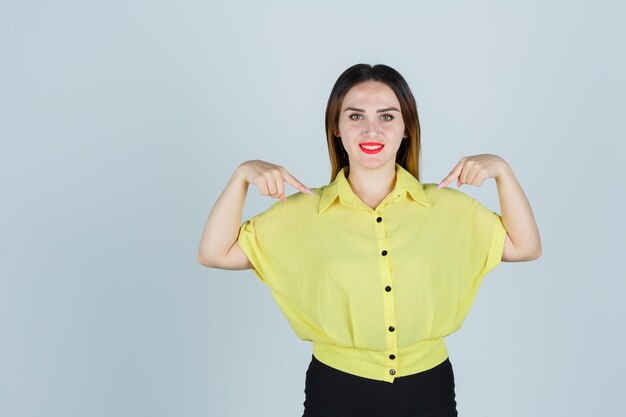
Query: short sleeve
(486, 235)
(477, 243)
(283, 258)
(265, 239)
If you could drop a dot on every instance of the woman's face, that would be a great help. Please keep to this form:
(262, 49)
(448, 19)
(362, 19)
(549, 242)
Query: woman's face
(370, 112)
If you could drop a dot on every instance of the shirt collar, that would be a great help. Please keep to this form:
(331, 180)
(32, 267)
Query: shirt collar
(405, 183)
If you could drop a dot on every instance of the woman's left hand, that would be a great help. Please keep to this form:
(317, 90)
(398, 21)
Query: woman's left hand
(475, 170)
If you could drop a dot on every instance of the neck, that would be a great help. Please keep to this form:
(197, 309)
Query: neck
(372, 183)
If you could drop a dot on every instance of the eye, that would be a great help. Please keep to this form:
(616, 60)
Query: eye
(354, 114)
(388, 115)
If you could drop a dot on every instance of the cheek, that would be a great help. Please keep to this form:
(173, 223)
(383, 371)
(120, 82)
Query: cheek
(349, 130)
(394, 130)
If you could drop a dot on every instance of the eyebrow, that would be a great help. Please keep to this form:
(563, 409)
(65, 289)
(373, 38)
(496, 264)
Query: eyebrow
(377, 111)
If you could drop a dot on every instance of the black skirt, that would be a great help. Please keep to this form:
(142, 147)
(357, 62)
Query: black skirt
(330, 392)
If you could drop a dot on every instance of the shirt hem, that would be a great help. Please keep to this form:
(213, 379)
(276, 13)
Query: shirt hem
(376, 364)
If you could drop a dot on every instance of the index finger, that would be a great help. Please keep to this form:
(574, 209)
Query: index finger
(295, 183)
(456, 171)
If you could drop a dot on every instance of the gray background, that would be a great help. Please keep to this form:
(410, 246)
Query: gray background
(121, 123)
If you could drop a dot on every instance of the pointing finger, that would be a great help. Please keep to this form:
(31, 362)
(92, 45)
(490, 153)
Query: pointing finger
(452, 175)
(296, 184)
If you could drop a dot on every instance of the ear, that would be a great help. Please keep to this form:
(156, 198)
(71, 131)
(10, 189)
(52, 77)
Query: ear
(336, 132)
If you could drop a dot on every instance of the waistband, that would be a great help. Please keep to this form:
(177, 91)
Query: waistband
(383, 365)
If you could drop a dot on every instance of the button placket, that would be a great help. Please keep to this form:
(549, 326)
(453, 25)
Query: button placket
(388, 297)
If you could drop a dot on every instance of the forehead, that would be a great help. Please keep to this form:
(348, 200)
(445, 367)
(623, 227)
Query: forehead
(370, 93)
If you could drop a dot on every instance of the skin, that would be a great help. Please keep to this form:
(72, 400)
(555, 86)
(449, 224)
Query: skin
(522, 242)
(371, 177)
(218, 244)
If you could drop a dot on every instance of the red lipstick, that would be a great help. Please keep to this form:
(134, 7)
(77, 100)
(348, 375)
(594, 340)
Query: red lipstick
(374, 147)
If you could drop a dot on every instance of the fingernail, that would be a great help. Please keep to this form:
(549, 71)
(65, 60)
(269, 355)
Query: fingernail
(309, 191)
(438, 187)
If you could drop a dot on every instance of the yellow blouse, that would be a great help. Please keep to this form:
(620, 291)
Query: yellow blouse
(375, 290)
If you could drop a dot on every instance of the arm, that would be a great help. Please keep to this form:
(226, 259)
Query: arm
(219, 247)
(218, 244)
(522, 242)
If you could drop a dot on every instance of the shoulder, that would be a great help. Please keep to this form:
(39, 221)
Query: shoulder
(447, 198)
(298, 206)
(454, 207)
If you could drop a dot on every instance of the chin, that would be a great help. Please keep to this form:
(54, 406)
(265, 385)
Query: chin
(373, 162)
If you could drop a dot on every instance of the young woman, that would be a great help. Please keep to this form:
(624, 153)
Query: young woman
(375, 268)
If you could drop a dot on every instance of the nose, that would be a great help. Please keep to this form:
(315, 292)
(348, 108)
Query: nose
(371, 127)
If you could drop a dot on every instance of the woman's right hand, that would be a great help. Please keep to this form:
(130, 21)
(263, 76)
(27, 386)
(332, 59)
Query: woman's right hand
(269, 178)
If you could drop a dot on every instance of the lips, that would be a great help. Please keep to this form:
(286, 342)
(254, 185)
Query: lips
(371, 147)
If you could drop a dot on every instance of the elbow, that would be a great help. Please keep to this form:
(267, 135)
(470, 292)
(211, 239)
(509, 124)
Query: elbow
(204, 261)
(535, 254)
(201, 260)
(538, 254)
